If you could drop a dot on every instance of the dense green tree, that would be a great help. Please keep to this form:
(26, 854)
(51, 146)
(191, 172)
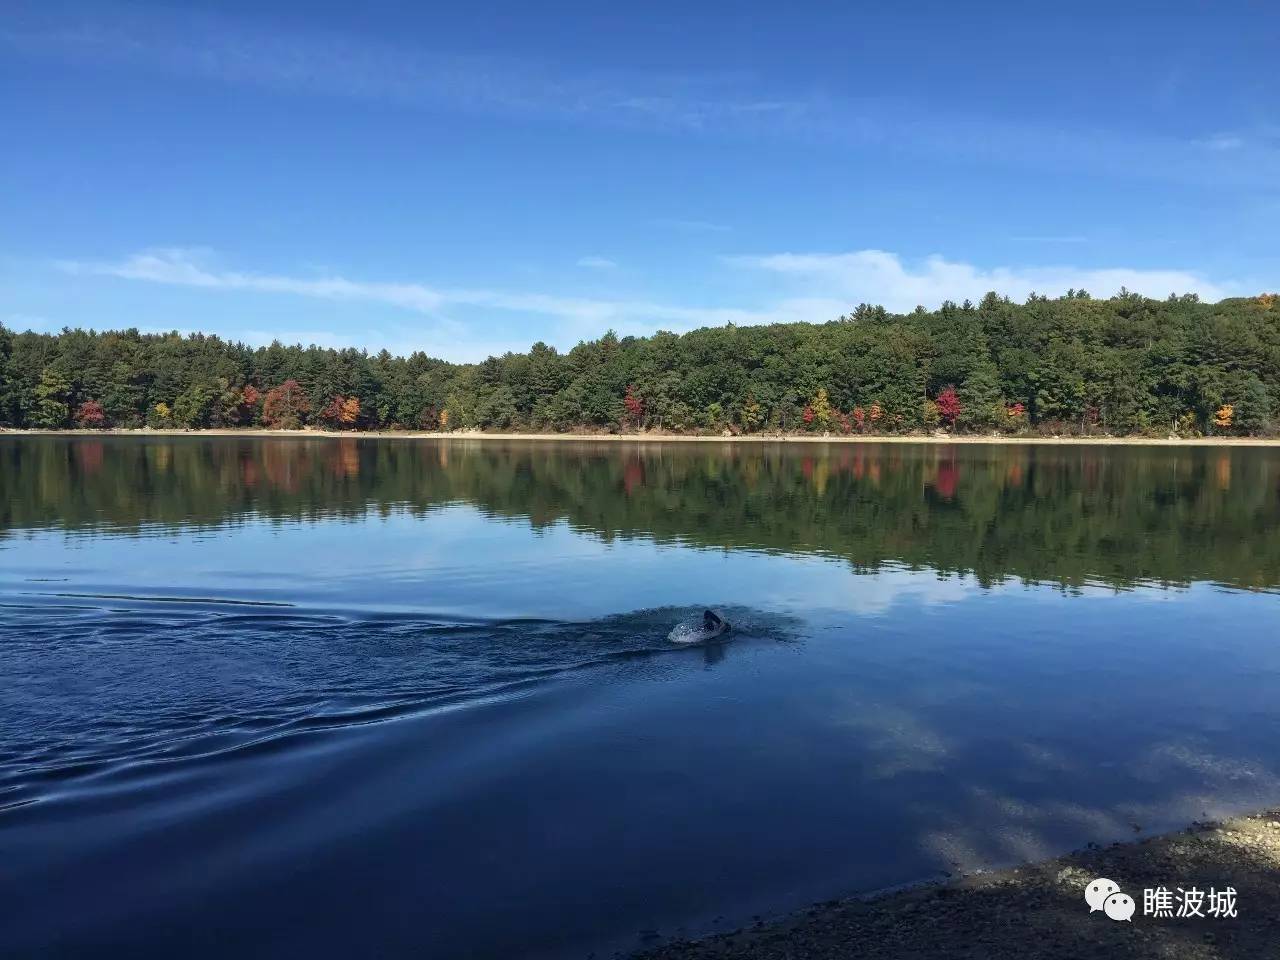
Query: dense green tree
(51, 408)
(983, 406)
(193, 407)
(498, 409)
(1253, 406)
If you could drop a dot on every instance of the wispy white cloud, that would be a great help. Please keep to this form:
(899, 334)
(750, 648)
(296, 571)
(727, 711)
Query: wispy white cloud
(807, 287)
(875, 276)
(574, 318)
(183, 267)
(237, 50)
(184, 41)
(598, 263)
(1222, 141)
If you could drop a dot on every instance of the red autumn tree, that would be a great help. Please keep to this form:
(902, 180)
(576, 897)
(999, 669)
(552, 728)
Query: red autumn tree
(859, 418)
(949, 405)
(284, 406)
(89, 415)
(634, 404)
(244, 411)
(341, 412)
(331, 413)
(249, 399)
(808, 416)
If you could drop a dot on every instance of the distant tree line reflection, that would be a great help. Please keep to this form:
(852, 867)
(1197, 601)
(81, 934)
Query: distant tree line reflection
(1068, 515)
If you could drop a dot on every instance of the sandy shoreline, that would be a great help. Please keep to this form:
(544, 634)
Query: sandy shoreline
(669, 438)
(1038, 910)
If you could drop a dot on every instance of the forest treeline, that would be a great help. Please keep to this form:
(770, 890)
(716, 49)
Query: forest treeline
(1074, 364)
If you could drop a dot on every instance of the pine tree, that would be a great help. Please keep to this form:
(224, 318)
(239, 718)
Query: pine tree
(980, 396)
(1253, 410)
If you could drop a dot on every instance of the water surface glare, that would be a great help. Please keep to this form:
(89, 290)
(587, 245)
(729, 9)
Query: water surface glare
(270, 697)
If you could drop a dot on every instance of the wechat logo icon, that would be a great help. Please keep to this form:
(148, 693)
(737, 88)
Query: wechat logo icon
(1105, 895)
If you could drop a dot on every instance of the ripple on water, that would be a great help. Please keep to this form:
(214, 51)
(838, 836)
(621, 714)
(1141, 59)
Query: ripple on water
(99, 691)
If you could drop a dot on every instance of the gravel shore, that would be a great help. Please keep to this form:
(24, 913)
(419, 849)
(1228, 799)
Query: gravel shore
(1039, 910)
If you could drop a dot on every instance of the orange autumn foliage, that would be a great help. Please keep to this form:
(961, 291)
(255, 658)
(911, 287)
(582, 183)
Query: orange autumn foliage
(284, 406)
(341, 412)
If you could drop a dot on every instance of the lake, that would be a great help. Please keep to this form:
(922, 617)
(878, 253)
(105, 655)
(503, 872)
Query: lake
(331, 697)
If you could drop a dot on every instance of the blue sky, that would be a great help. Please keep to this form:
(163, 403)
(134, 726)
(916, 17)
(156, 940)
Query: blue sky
(469, 178)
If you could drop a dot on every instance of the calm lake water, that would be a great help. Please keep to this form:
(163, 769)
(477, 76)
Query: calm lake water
(413, 698)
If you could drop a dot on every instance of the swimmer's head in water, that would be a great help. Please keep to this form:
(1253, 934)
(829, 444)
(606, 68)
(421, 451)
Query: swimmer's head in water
(709, 628)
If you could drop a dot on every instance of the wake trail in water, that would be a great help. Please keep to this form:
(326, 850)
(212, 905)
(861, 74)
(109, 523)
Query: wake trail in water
(152, 599)
(111, 691)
